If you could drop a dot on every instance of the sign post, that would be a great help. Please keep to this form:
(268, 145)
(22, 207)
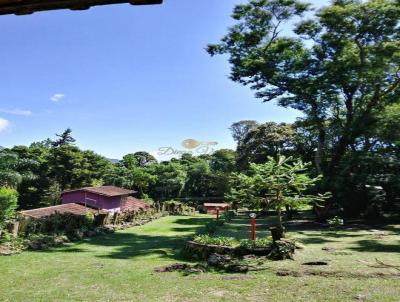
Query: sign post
(217, 213)
(253, 226)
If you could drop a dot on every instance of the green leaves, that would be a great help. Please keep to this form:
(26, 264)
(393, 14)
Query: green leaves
(8, 204)
(339, 67)
(277, 183)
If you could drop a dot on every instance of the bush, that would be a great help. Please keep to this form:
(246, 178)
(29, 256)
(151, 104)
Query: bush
(211, 227)
(227, 216)
(61, 224)
(174, 207)
(222, 241)
(232, 242)
(8, 204)
(253, 244)
(42, 241)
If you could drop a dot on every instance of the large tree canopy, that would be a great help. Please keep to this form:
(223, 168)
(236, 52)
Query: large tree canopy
(340, 68)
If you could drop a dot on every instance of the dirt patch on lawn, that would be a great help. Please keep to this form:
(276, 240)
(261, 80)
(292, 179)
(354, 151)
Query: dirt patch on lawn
(335, 274)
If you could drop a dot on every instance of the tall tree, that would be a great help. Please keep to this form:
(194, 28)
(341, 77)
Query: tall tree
(138, 159)
(268, 139)
(339, 68)
(64, 139)
(240, 129)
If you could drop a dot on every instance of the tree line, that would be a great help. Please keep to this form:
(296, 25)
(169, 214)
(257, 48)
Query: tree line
(41, 171)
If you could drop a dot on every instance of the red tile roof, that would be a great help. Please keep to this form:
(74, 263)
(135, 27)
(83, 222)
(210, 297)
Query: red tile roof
(220, 205)
(72, 208)
(109, 191)
(134, 204)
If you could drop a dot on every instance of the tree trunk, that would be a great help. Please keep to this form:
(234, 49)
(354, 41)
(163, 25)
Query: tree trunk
(279, 216)
(320, 152)
(278, 231)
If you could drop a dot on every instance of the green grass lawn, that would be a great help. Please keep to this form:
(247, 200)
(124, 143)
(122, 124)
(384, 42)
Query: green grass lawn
(119, 267)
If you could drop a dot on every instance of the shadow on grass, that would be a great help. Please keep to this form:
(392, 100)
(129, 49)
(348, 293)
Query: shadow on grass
(192, 221)
(130, 245)
(376, 246)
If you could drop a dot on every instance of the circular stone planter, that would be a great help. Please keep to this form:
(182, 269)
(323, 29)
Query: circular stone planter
(200, 251)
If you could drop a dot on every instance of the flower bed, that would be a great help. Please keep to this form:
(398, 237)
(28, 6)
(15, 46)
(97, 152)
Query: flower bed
(203, 246)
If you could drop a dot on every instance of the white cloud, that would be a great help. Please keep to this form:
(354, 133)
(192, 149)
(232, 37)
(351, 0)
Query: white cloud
(4, 124)
(17, 112)
(57, 97)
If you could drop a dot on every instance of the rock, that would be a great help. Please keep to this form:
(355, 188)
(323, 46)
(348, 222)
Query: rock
(181, 267)
(237, 268)
(299, 246)
(197, 251)
(235, 277)
(34, 246)
(360, 297)
(282, 249)
(7, 250)
(192, 270)
(283, 273)
(329, 249)
(289, 273)
(58, 241)
(171, 268)
(108, 229)
(218, 260)
(90, 233)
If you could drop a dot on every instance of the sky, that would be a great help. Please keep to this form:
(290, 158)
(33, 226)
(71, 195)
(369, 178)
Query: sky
(123, 78)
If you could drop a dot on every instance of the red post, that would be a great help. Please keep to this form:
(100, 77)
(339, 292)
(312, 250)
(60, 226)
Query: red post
(253, 228)
(217, 213)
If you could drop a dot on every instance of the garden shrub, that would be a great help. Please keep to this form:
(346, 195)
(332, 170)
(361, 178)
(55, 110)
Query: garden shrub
(136, 217)
(227, 216)
(211, 227)
(44, 241)
(254, 244)
(174, 207)
(8, 204)
(222, 241)
(232, 242)
(61, 224)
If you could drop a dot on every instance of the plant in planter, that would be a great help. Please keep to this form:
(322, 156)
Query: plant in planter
(279, 183)
(222, 241)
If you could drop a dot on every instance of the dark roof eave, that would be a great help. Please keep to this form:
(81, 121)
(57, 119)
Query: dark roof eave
(26, 7)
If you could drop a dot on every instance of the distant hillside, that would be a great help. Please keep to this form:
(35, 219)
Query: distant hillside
(113, 160)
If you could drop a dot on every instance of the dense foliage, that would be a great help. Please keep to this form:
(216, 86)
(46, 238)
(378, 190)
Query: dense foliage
(233, 242)
(339, 67)
(279, 183)
(8, 204)
(41, 171)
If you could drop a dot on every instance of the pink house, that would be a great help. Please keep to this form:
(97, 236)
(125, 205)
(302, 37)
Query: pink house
(110, 198)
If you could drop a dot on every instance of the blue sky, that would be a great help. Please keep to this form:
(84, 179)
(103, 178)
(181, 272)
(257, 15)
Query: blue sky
(124, 78)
